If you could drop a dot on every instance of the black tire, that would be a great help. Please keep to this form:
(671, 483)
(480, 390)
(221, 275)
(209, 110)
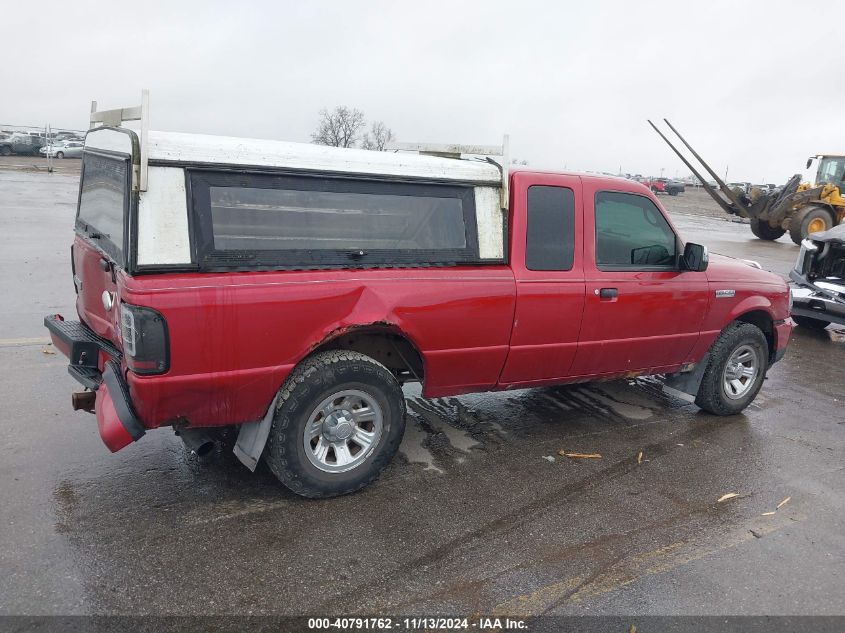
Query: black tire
(310, 384)
(712, 396)
(5, 150)
(673, 192)
(765, 231)
(799, 226)
(60, 155)
(810, 323)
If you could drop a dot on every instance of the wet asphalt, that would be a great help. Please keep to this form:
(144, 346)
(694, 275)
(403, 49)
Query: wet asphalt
(478, 514)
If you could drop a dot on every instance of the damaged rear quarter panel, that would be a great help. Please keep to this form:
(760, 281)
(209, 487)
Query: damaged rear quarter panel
(234, 338)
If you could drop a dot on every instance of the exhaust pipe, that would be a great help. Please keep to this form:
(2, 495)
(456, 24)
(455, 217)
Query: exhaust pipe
(197, 441)
(83, 401)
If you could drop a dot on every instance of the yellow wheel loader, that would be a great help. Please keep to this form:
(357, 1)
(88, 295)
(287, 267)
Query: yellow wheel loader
(797, 207)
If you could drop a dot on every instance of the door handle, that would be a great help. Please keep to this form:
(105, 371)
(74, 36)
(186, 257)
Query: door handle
(608, 293)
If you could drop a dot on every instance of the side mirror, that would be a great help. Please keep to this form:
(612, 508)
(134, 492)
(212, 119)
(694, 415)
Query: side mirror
(809, 162)
(695, 257)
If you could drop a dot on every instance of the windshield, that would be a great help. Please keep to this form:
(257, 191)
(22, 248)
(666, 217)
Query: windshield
(831, 170)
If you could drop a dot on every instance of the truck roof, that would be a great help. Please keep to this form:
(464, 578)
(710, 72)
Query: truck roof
(176, 147)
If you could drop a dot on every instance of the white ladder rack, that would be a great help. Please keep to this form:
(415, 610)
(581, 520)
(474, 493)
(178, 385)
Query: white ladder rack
(448, 150)
(116, 117)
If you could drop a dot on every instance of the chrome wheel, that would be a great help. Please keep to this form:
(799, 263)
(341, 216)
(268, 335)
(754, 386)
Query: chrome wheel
(342, 431)
(740, 372)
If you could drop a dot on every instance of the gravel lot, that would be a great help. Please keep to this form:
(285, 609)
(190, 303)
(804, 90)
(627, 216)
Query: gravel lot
(471, 517)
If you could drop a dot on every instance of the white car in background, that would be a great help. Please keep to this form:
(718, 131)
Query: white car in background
(63, 149)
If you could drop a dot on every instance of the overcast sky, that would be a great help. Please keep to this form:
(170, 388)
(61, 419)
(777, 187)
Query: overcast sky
(754, 86)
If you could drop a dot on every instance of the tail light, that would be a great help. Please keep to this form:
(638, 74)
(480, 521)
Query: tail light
(144, 334)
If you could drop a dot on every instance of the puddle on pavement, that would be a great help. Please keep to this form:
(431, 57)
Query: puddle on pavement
(466, 423)
(412, 446)
(437, 415)
(66, 500)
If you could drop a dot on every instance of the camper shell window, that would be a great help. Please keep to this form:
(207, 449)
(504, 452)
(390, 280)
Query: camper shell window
(103, 201)
(292, 221)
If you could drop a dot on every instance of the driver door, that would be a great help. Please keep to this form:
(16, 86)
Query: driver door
(641, 311)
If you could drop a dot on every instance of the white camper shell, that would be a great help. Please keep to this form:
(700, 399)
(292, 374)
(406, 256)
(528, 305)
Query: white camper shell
(210, 203)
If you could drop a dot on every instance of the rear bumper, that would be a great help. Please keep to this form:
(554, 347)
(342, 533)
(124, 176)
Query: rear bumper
(95, 363)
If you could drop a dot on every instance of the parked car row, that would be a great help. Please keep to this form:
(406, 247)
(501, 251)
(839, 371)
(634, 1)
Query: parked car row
(21, 143)
(664, 185)
(63, 149)
(63, 145)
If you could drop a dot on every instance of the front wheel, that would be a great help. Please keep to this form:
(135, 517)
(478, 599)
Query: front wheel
(735, 370)
(60, 155)
(338, 423)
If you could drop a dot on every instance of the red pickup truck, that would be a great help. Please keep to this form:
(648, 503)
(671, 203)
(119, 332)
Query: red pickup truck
(289, 290)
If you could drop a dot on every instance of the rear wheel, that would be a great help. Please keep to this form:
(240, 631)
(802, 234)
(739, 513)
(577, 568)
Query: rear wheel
(338, 423)
(5, 151)
(764, 230)
(735, 370)
(60, 154)
(809, 220)
(811, 323)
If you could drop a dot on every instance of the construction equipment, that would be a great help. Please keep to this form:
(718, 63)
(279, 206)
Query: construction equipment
(797, 207)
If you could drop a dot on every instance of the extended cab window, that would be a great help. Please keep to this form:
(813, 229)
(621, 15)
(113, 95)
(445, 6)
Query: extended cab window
(550, 236)
(102, 201)
(631, 233)
(266, 220)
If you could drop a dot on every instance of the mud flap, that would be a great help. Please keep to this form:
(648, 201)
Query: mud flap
(253, 436)
(684, 385)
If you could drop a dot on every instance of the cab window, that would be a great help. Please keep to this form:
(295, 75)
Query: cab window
(550, 236)
(632, 234)
(832, 170)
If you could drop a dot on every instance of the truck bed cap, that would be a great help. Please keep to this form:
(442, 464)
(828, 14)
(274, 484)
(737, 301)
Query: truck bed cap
(182, 148)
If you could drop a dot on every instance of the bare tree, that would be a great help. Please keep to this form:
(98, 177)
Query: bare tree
(339, 128)
(378, 136)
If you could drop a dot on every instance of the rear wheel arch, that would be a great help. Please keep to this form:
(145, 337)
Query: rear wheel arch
(383, 342)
